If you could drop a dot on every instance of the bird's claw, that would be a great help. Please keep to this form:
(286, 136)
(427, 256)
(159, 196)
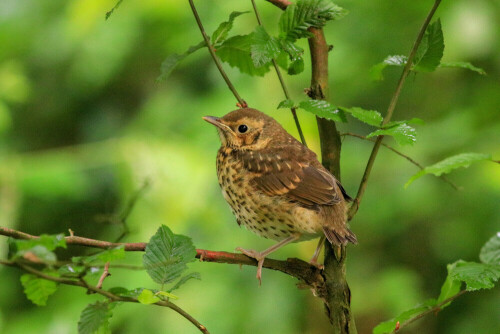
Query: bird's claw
(315, 263)
(257, 256)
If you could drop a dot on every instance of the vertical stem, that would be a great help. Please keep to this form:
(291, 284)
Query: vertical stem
(282, 82)
(217, 62)
(338, 303)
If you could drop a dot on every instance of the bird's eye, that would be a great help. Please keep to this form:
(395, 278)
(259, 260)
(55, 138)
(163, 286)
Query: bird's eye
(242, 128)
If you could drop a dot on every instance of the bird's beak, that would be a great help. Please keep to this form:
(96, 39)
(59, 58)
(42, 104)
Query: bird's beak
(216, 121)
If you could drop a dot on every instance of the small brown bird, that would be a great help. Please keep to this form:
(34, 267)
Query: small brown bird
(275, 186)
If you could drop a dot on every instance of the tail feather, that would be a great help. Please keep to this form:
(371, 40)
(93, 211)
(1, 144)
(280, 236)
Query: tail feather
(340, 237)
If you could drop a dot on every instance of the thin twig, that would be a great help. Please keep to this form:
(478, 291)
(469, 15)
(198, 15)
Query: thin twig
(241, 102)
(107, 294)
(282, 82)
(105, 274)
(435, 309)
(443, 177)
(392, 105)
(129, 207)
(74, 240)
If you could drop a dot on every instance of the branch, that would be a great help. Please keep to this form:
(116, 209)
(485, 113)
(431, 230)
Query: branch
(392, 105)
(282, 82)
(74, 240)
(305, 272)
(280, 3)
(442, 177)
(241, 102)
(435, 309)
(107, 294)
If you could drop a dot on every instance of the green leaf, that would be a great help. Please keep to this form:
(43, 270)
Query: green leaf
(490, 253)
(184, 279)
(447, 165)
(323, 109)
(168, 65)
(264, 47)
(294, 52)
(464, 65)
(414, 120)
(166, 294)
(220, 34)
(38, 253)
(167, 255)
(38, 289)
(148, 297)
(39, 249)
(108, 255)
(134, 293)
(119, 291)
(95, 319)
(50, 242)
(431, 51)
(296, 67)
(402, 133)
(236, 51)
(111, 254)
(71, 270)
(376, 72)
(298, 17)
(476, 276)
(449, 288)
(371, 117)
(286, 104)
(390, 325)
(282, 60)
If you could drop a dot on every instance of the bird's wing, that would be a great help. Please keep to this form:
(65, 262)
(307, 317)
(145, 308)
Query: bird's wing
(291, 176)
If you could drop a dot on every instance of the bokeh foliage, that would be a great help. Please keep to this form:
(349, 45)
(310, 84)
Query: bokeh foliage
(83, 125)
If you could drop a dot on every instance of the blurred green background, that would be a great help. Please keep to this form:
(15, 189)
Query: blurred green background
(83, 125)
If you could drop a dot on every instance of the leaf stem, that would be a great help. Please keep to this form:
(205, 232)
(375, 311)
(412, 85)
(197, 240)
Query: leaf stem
(443, 177)
(241, 102)
(390, 110)
(282, 82)
(436, 309)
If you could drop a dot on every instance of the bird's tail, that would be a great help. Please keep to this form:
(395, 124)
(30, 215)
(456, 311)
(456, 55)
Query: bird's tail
(339, 236)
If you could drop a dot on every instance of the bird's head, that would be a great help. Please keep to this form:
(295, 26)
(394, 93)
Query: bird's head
(247, 129)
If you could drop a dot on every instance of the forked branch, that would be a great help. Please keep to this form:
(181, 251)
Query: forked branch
(112, 297)
(390, 110)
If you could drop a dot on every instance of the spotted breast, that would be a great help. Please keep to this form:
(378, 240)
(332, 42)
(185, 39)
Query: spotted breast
(273, 217)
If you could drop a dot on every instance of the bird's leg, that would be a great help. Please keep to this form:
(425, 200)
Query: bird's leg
(260, 256)
(314, 260)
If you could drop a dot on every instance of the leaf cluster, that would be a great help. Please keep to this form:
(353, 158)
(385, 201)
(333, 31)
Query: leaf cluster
(474, 275)
(165, 260)
(253, 53)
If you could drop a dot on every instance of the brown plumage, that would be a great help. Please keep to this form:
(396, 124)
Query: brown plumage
(275, 186)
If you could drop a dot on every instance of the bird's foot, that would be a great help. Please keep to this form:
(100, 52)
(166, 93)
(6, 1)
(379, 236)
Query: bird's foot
(254, 255)
(314, 262)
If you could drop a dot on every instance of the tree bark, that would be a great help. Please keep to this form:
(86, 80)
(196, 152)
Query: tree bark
(338, 294)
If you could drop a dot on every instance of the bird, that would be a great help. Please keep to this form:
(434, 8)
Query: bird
(276, 187)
